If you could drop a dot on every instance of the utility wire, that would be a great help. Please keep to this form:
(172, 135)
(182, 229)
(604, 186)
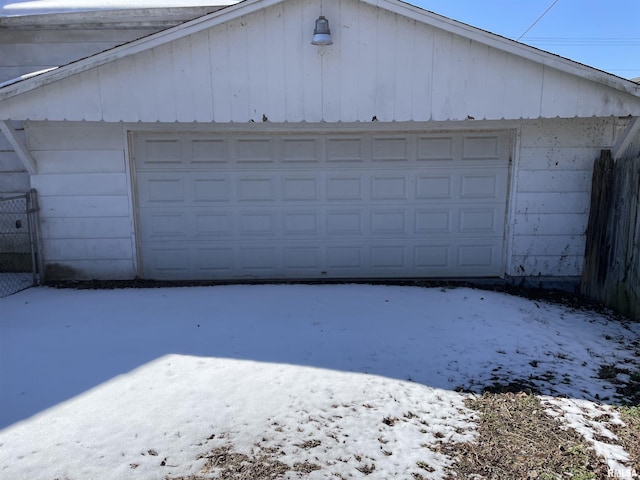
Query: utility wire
(586, 41)
(537, 20)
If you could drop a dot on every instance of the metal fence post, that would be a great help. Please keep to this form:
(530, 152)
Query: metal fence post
(38, 260)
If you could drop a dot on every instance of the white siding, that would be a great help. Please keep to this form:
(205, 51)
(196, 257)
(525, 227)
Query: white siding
(31, 43)
(83, 189)
(262, 65)
(552, 194)
(13, 177)
(26, 51)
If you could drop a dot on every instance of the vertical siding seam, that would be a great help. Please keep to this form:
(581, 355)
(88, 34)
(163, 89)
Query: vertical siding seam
(210, 63)
(376, 47)
(246, 72)
(99, 88)
(394, 105)
(430, 74)
(412, 113)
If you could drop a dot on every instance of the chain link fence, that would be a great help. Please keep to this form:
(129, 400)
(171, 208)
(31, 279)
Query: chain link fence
(20, 259)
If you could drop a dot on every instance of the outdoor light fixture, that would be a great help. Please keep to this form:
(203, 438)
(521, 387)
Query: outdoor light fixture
(322, 34)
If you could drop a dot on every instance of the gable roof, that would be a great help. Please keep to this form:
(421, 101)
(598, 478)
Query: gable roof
(622, 96)
(46, 7)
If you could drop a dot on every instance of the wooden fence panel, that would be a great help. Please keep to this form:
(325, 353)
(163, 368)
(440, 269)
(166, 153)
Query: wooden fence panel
(612, 259)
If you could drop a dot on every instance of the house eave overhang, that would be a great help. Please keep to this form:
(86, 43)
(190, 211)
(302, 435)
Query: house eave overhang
(134, 18)
(23, 85)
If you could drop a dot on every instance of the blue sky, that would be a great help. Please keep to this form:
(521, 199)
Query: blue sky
(604, 34)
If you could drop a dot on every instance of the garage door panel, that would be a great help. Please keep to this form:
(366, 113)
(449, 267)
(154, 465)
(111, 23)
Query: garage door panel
(345, 222)
(209, 152)
(259, 260)
(214, 224)
(432, 221)
(301, 150)
(168, 261)
(486, 147)
(301, 188)
(435, 259)
(436, 185)
(345, 260)
(482, 185)
(163, 190)
(435, 149)
(386, 187)
(344, 187)
(323, 206)
(214, 262)
(390, 149)
(389, 257)
(258, 223)
(163, 224)
(161, 152)
(216, 188)
(256, 188)
(388, 222)
(479, 220)
(306, 223)
(476, 256)
(303, 260)
(345, 149)
(257, 150)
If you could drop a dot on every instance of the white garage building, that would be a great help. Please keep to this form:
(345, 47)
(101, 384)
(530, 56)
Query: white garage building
(229, 147)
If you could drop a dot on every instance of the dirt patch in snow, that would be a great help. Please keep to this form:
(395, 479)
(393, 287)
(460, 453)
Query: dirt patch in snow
(518, 439)
(225, 463)
(629, 434)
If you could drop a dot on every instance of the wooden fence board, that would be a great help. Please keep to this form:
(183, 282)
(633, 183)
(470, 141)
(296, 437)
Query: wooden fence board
(611, 271)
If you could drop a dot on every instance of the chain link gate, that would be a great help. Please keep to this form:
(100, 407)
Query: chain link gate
(20, 259)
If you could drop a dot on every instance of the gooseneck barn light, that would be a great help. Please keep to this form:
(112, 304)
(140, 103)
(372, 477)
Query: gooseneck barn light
(322, 34)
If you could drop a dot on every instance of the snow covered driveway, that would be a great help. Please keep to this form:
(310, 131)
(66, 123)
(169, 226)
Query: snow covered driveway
(343, 380)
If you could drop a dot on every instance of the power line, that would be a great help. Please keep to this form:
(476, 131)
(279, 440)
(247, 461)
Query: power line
(584, 41)
(537, 20)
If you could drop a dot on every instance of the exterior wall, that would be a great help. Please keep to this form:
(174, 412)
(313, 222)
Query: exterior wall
(633, 149)
(552, 191)
(32, 43)
(13, 177)
(83, 189)
(382, 65)
(27, 51)
(84, 186)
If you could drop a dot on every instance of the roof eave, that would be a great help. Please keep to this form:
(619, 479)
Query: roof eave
(33, 81)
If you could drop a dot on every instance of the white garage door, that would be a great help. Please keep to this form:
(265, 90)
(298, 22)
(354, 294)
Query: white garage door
(276, 206)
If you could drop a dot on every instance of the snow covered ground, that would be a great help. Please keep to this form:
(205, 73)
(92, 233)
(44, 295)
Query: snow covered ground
(341, 380)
